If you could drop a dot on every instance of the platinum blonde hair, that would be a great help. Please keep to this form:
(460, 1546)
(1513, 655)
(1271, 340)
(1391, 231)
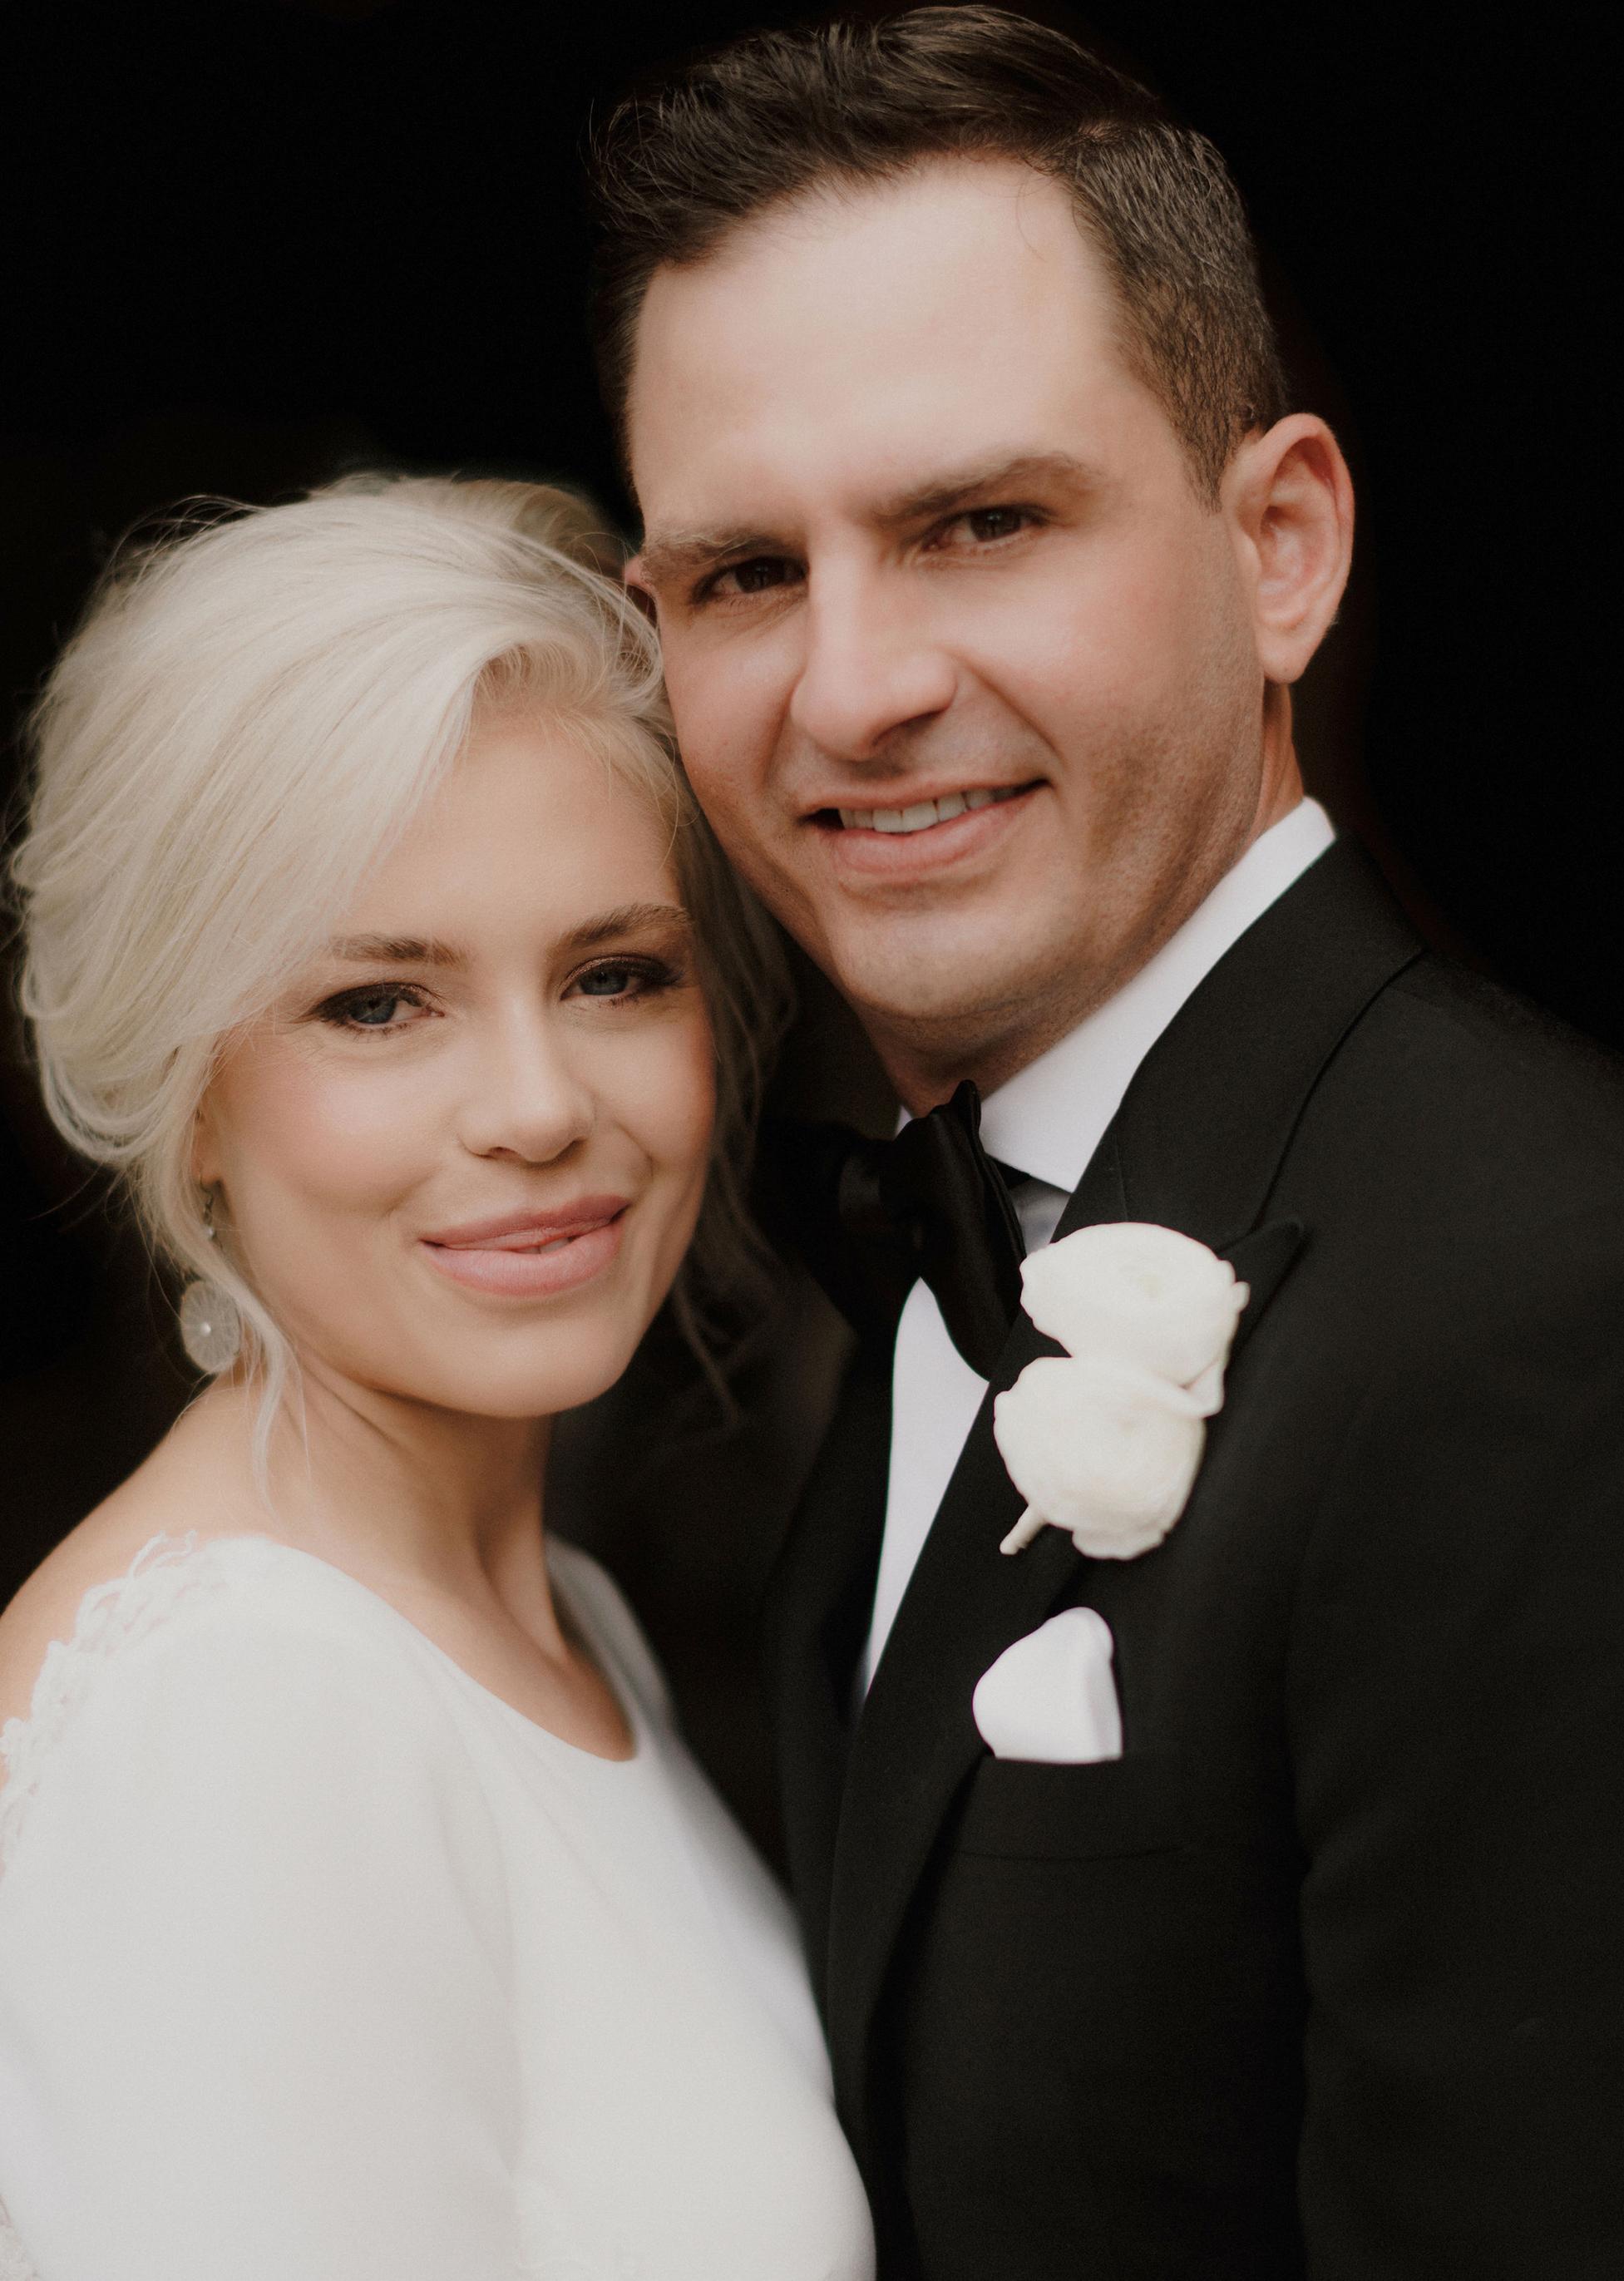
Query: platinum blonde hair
(248, 716)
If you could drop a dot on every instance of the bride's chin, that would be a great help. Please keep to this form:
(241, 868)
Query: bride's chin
(559, 1368)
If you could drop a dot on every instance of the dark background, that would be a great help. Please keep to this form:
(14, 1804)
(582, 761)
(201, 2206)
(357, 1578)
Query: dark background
(249, 246)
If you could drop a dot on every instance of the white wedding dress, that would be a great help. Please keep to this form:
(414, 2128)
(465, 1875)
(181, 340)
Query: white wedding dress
(319, 1963)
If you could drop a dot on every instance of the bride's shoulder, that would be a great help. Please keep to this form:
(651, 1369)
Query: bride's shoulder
(126, 1549)
(121, 1565)
(222, 1699)
(113, 1583)
(111, 1547)
(229, 1667)
(132, 1586)
(81, 1634)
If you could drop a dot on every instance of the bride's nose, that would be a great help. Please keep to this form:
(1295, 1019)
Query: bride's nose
(525, 1099)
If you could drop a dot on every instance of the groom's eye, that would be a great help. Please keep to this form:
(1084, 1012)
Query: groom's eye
(758, 576)
(995, 522)
(982, 526)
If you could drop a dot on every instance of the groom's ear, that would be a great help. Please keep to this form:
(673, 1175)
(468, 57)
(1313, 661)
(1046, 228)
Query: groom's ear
(1288, 497)
(640, 592)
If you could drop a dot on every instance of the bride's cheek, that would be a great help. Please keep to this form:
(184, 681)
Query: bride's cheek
(331, 1141)
(656, 1082)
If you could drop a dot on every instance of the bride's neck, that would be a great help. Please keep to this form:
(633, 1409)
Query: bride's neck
(439, 1497)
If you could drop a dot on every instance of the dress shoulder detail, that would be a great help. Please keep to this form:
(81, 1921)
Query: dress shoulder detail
(15, 2263)
(166, 1574)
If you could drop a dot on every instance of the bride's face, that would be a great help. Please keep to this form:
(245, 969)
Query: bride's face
(462, 1155)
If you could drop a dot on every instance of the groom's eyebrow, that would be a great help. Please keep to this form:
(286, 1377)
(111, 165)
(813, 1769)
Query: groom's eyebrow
(993, 481)
(684, 554)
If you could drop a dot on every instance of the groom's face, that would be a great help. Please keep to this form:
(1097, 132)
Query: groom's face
(961, 664)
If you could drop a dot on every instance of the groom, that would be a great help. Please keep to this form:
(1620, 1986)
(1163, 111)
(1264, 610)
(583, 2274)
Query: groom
(1265, 1920)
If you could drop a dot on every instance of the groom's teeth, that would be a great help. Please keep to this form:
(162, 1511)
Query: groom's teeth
(924, 813)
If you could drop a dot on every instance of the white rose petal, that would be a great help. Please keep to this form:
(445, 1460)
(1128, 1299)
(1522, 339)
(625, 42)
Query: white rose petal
(1102, 1447)
(1206, 1391)
(1146, 1294)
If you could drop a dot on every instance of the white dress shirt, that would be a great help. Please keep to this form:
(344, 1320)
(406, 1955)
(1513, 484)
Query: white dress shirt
(1046, 1122)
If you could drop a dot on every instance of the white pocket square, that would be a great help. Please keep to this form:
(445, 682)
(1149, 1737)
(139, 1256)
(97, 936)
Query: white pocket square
(1051, 1697)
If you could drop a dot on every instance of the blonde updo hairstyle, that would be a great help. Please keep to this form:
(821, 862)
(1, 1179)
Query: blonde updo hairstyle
(250, 714)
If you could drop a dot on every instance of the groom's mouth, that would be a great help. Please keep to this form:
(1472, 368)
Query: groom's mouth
(924, 813)
(910, 841)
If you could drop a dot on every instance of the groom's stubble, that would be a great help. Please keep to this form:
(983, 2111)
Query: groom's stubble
(915, 528)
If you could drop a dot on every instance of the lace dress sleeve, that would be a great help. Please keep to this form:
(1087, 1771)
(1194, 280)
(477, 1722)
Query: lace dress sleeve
(253, 1951)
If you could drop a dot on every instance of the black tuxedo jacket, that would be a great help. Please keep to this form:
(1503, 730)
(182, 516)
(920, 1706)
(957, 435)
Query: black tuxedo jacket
(1325, 1976)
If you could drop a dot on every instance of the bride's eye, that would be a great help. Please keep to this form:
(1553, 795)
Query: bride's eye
(376, 1007)
(623, 978)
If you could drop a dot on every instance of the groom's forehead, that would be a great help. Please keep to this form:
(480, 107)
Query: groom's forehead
(890, 344)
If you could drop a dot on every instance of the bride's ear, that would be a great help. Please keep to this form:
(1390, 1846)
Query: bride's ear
(206, 1167)
(1288, 499)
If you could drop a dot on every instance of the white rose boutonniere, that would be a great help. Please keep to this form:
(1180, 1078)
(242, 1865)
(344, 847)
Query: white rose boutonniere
(1107, 1442)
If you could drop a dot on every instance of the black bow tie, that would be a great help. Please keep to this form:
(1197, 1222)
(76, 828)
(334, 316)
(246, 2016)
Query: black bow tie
(872, 1217)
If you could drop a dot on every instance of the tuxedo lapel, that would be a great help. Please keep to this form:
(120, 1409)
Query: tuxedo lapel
(1195, 1146)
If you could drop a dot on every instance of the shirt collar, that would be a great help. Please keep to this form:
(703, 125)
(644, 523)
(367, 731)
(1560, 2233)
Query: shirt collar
(1050, 1118)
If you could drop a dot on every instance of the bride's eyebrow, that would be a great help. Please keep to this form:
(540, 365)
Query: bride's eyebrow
(420, 950)
(395, 950)
(628, 918)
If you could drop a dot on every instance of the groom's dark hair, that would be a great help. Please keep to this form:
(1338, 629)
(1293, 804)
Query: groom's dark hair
(690, 155)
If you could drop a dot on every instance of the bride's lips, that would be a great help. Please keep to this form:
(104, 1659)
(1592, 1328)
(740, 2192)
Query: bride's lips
(531, 1255)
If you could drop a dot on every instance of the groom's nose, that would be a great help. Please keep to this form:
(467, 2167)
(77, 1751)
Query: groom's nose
(870, 665)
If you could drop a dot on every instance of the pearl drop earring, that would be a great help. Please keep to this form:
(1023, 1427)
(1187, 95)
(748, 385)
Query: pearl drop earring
(211, 1325)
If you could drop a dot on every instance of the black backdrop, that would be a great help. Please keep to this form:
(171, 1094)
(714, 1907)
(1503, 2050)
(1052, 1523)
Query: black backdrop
(249, 245)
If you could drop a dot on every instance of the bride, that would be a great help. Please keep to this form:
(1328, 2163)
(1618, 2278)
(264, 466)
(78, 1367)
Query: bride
(362, 1917)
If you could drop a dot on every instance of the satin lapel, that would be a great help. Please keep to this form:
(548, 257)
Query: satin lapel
(917, 1739)
(1196, 1146)
(819, 1601)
